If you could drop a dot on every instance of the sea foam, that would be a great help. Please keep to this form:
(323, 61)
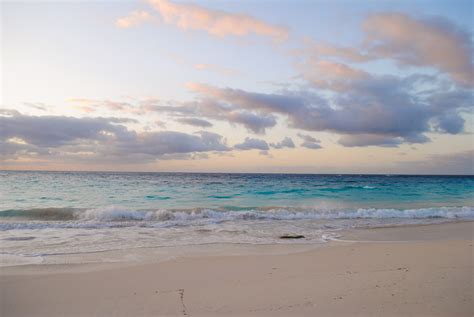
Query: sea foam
(113, 213)
(115, 216)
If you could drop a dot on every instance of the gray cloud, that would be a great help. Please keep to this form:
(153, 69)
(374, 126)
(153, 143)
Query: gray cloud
(310, 145)
(287, 142)
(256, 123)
(310, 142)
(171, 142)
(378, 110)
(265, 153)
(267, 103)
(215, 109)
(389, 108)
(381, 105)
(185, 156)
(55, 131)
(450, 122)
(369, 140)
(9, 112)
(381, 110)
(97, 139)
(253, 144)
(195, 122)
(221, 109)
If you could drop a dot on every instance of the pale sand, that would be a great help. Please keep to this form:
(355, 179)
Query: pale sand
(430, 275)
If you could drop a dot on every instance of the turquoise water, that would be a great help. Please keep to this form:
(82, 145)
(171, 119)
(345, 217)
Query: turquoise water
(48, 214)
(33, 190)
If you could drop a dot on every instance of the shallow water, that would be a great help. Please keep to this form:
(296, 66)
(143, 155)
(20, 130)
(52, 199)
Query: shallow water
(46, 214)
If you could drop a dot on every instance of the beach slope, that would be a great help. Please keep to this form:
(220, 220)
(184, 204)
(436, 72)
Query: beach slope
(402, 271)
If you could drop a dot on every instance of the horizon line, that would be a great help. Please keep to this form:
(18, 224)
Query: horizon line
(237, 173)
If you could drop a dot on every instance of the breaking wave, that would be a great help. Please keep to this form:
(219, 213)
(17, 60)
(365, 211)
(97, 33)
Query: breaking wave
(113, 216)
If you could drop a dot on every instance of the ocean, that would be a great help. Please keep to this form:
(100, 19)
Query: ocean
(44, 215)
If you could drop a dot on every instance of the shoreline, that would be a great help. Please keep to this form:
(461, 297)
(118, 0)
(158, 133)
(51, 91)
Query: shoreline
(430, 276)
(86, 261)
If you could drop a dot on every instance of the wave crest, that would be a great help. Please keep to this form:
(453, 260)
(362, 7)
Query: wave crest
(112, 213)
(117, 213)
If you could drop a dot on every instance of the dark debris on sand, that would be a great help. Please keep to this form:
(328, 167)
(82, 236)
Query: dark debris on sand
(292, 236)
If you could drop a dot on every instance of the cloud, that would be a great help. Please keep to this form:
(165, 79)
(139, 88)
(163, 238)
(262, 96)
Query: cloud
(215, 109)
(215, 22)
(395, 109)
(9, 112)
(398, 37)
(55, 131)
(96, 139)
(36, 105)
(369, 140)
(380, 110)
(254, 122)
(450, 122)
(450, 105)
(387, 106)
(369, 110)
(330, 75)
(381, 105)
(249, 100)
(195, 122)
(433, 42)
(252, 144)
(386, 110)
(256, 111)
(135, 18)
(92, 105)
(310, 142)
(287, 142)
(185, 156)
(160, 124)
(202, 107)
(171, 142)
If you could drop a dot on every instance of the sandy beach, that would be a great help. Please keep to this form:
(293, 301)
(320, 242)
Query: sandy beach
(236, 158)
(400, 271)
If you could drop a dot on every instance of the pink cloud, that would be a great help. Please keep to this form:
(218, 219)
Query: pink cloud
(434, 43)
(135, 18)
(399, 37)
(330, 75)
(215, 22)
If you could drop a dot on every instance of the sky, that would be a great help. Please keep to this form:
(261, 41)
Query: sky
(238, 86)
